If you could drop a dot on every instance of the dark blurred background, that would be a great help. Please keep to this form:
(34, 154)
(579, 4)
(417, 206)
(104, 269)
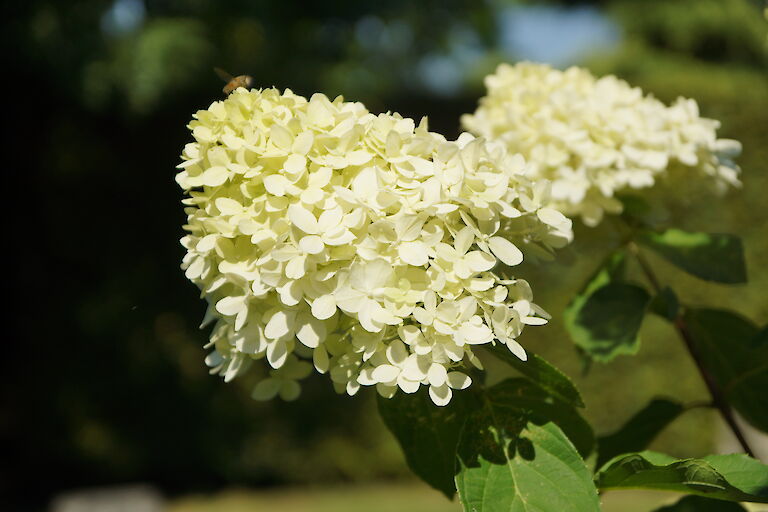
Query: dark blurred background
(104, 381)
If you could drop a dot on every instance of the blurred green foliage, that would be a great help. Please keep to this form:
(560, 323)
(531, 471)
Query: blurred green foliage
(104, 379)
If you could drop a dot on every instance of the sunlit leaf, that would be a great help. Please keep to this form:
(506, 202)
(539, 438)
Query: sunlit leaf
(637, 433)
(734, 477)
(510, 463)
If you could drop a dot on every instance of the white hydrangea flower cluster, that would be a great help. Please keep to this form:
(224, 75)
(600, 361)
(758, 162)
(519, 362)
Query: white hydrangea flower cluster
(363, 243)
(596, 137)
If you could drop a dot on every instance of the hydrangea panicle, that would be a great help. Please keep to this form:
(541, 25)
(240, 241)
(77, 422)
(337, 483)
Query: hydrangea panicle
(597, 137)
(362, 245)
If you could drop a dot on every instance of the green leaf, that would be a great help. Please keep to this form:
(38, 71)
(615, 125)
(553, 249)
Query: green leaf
(509, 463)
(634, 207)
(612, 269)
(428, 434)
(528, 398)
(735, 354)
(701, 504)
(543, 374)
(734, 477)
(639, 431)
(604, 318)
(712, 257)
(607, 322)
(665, 304)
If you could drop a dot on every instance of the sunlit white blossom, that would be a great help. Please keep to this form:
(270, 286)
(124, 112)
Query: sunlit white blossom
(597, 137)
(362, 245)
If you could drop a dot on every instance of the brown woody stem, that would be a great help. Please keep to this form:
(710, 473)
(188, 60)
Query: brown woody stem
(718, 398)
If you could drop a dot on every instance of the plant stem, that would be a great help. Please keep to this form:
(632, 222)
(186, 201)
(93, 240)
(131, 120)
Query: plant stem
(718, 398)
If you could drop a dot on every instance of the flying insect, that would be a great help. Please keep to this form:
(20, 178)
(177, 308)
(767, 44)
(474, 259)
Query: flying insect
(233, 82)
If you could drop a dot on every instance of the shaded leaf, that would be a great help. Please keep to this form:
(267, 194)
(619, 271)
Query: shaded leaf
(607, 322)
(639, 431)
(427, 434)
(734, 477)
(701, 504)
(509, 463)
(634, 207)
(735, 353)
(712, 257)
(590, 337)
(527, 398)
(543, 374)
(665, 304)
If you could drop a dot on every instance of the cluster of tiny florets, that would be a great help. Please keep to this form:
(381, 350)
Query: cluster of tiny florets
(362, 245)
(597, 137)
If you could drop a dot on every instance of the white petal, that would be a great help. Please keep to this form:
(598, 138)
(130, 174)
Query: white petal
(302, 219)
(312, 332)
(311, 244)
(352, 388)
(295, 164)
(480, 261)
(215, 176)
(413, 253)
(416, 368)
(228, 206)
(296, 268)
(458, 380)
(213, 359)
(440, 395)
(275, 184)
(329, 219)
(517, 349)
(290, 390)
(230, 306)
(266, 389)
(359, 157)
(303, 142)
(397, 353)
(241, 317)
(365, 377)
(475, 334)
(552, 217)
(409, 386)
(320, 359)
(410, 334)
(437, 374)
(464, 240)
(385, 373)
(277, 353)
(278, 325)
(368, 310)
(505, 250)
(281, 137)
(386, 391)
(324, 307)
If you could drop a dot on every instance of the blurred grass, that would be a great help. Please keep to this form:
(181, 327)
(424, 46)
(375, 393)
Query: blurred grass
(395, 497)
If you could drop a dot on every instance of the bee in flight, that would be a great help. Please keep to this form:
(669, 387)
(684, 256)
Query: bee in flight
(233, 82)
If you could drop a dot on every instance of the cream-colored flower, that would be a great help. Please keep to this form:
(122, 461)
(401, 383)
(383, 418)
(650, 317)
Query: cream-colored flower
(365, 244)
(596, 137)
